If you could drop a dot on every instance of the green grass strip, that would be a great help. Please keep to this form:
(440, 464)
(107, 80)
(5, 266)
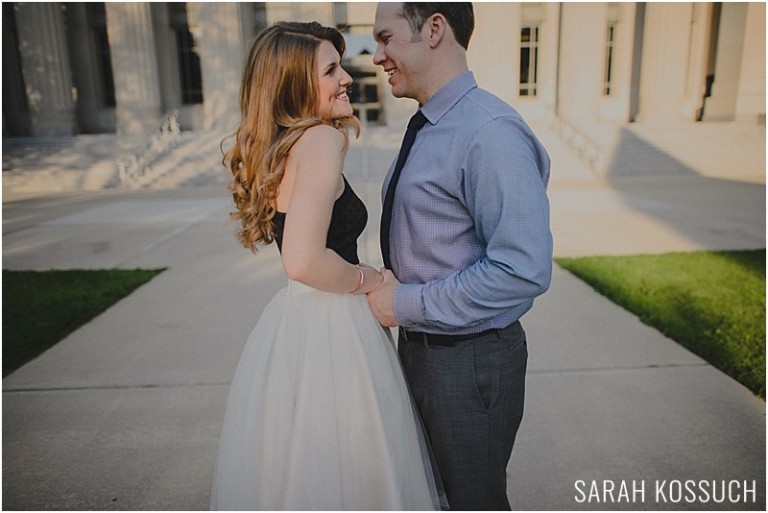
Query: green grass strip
(42, 307)
(713, 302)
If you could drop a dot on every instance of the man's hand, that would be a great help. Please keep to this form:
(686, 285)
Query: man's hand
(382, 298)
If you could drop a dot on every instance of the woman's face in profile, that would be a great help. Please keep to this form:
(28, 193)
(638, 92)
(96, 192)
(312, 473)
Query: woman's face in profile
(333, 101)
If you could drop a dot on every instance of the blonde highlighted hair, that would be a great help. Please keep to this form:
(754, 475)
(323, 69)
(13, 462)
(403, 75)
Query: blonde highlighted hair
(278, 103)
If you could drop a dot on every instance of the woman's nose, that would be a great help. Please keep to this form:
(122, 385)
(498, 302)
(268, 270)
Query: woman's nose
(346, 78)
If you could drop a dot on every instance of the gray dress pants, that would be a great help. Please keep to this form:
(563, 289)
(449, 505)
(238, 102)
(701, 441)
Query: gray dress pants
(470, 395)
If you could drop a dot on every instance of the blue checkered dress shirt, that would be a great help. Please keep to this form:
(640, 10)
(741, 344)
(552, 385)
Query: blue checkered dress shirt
(470, 239)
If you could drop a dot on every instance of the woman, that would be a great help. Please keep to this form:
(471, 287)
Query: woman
(318, 414)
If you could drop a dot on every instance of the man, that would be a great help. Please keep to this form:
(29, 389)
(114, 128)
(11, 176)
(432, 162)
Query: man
(468, 243)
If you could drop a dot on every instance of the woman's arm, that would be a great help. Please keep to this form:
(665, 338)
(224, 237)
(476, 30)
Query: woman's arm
(316, 162)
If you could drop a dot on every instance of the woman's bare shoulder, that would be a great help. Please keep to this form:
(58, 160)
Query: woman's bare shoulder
(321, 139)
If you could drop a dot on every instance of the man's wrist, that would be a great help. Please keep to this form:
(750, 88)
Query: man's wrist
(407, 305)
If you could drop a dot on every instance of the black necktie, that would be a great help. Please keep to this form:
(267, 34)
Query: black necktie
(414, 125)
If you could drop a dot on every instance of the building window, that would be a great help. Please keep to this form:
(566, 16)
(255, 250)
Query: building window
(97, 22)
(610, 44)
(364, 93)
(612, 22)
(529, 60)
(186, 51)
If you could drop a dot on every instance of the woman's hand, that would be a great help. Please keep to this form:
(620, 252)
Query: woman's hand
(381, 299)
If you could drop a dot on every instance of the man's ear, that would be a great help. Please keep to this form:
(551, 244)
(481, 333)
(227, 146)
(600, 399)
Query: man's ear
(438, 27)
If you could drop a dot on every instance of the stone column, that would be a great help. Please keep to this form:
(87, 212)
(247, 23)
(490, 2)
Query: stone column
(616, 106)
(134, 66)
(85, 73)
(750, 104)
(696, 70)
(582, 56)
(498, 69)
(666, 53)
(46, 70)
(219, 38)
(321, 12)
(721, 106)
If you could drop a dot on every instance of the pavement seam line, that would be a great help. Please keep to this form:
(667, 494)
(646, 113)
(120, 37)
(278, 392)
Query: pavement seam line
(609, 369)
(22, 390)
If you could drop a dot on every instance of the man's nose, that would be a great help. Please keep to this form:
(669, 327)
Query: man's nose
(378, 55)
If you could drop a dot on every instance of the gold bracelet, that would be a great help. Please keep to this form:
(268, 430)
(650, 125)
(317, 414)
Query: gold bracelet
(362, 279)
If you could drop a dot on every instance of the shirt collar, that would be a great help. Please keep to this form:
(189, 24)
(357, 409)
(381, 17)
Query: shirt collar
(448, 96)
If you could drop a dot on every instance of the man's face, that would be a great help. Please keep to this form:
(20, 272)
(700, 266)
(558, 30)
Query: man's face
(401, 53)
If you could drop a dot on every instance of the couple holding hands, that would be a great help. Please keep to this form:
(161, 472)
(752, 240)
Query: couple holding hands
(323, 413)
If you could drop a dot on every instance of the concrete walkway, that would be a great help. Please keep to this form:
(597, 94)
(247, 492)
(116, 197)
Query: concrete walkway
(124, 414)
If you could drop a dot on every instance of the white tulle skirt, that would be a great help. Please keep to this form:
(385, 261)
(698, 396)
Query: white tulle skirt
(319, 416)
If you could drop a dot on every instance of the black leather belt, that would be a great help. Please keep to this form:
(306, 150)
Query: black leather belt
(443, 340)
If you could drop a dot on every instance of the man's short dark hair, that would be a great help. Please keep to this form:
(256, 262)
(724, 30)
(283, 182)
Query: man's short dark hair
(459, 15)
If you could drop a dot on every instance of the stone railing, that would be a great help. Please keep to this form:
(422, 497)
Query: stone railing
(137, 169)
(587, 150)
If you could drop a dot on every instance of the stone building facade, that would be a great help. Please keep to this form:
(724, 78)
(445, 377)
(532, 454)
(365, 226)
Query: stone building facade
(115, 67)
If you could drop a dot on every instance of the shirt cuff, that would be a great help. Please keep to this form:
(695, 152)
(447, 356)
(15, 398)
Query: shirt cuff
(408, 306)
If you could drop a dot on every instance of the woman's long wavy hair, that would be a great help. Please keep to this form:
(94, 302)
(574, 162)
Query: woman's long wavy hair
(278, 103)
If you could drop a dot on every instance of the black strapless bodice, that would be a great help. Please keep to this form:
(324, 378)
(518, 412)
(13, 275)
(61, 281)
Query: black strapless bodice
(347, 223)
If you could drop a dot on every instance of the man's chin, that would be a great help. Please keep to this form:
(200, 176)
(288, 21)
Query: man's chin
(397, 93)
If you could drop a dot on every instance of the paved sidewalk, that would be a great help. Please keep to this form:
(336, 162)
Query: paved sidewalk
(125, 413)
